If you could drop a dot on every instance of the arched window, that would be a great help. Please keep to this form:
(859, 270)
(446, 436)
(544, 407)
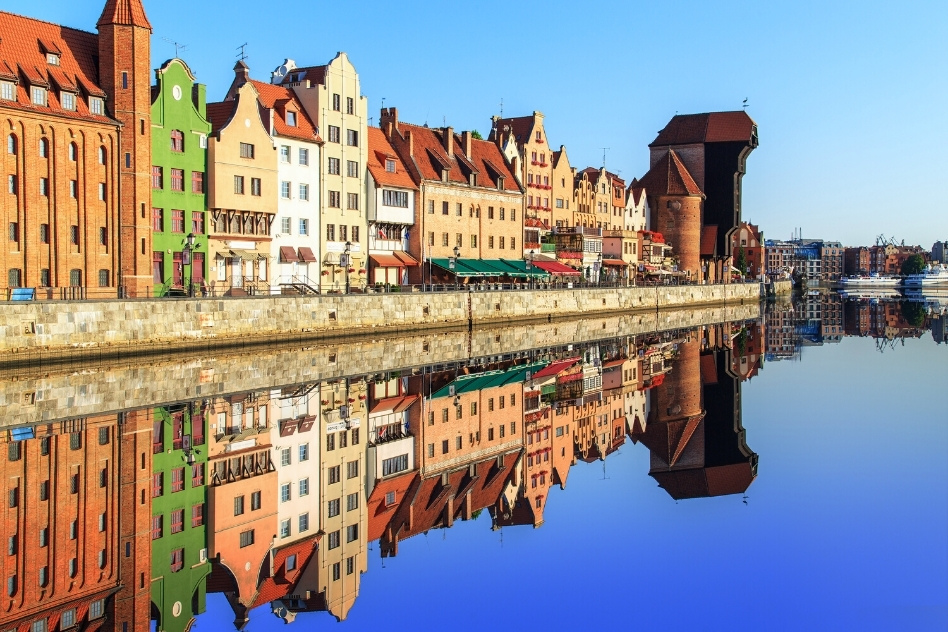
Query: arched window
(44, 148)
(73, 152)
(11, 144)
(177, 140)
(101, 155)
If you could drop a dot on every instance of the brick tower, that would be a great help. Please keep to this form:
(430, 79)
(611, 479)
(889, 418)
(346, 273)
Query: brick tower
(125, 75)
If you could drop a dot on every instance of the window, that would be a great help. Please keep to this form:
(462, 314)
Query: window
(96, 609)
(239, 185)
(157, 177)
(330, 236)
(238, 505)
(7, 90)
(389, 498)
(333, 134)
(158, 219)
(304, 156)
(458, 444)
(501, 242)
(177, 140)
(304, 487)
(75, 275)
(430, 450)
(334, 473)
(177, 221)
(350, 105)
(352, 201)
(458, 209)
(304, 192)
(246, 538)
(431, 208)
(352, 469)
(284, 153)
(284, 492)
(102, 188)
(352, 138)
(197, 222)
(444, 239)
(44, 276)
(285, 190)
(304, 452)
(177, 179)
(352, 532)
(304, 522)
(246, 150)
(197, 515)
(352, 168)
(334, 199)
(177, 559)
(333, 540)
(490, 241)
(197, 182)
(333, 508)
(43, 537)
(390, 165)
(255, 186)
(355, 239)
(352, 501)
(255, 499)
(336, 571)
(38, 95)
(96, 105)
(14, 232)
(177, 521)
(43, 576)
(44, 490)
(473, 408)
(444, 447)
(394, 465)
(431, 238)
(285, 225)
(43, 148)
(336, 103)
(102, 154)
(285, 528)
(14, 497)
(444, 208)
(343, 232)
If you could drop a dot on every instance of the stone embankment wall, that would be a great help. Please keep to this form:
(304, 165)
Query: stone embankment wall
(42, 394)
(784, 286)
(34, 331)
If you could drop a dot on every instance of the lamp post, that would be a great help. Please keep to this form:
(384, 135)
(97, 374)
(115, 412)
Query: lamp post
(530, 256)
(186, 260)
(599, 271)
(348, 262)
(452, 263)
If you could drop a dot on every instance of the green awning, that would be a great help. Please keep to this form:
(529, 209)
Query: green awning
(521, 267)
(488, 379)
(461, 267)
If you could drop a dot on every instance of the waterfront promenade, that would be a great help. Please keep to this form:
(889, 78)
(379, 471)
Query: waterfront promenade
(56, 331)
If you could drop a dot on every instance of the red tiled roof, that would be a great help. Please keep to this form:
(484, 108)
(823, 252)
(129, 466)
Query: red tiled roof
(282, 581)
(130, 12)
(555, 368)
(635, 191)
(430, 157)
(702, 483)
(279, 99)
(520, 127)
(315, 75)
(669, 176)
(709, 238)
(712, 127)
(218, 114)
(381, 150)
(379, 514)
(22, 56)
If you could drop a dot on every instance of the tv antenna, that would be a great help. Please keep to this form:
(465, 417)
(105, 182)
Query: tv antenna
(177, 45)
(604, 150)
(501, 107)
(745, 103)
(243, 52)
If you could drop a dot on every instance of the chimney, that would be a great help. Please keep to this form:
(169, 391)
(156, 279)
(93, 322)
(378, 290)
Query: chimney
(447, 137)
(466, 141)
(388, 120)
(242, 73)
(411, 143)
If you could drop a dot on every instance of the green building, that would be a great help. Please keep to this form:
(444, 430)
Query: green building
(179, 564)
(179, 130)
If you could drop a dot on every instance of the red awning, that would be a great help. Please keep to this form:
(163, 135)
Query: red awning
(395, 404)
(614, 262)
(613, 363)
(307, 256)
(386, 261)
(288, 254)
(555, 368)
(555, 267)
(405, 258)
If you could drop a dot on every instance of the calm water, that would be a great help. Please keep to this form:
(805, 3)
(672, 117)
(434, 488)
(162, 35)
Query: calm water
(785, 473)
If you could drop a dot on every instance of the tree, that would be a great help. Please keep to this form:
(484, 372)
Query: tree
(914, 312)
(476, 135)
(913, 265)
(742, 261)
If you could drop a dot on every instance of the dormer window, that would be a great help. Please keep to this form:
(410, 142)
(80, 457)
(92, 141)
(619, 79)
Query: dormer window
(390, 165)
(7, 90)
(291, 118)
(500, 183)
(38, 95)
(96, 105)
(68, 100)
(52, 59)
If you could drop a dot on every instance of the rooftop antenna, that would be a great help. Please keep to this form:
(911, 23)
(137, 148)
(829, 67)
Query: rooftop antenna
(745, 103)
(604, 150)
(177, 45)
(383, 103)
(243, 52)
(501, 107)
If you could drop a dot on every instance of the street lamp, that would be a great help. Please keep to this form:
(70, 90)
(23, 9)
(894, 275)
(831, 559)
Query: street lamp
(452, 263)
(530, 256)
(599, 271)
(186, 260)
(348, 262)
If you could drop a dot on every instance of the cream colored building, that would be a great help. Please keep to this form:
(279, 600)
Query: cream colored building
(563, 190)
(332, 97)
(242, 194)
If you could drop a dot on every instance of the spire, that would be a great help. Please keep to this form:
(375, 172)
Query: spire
(124, 12)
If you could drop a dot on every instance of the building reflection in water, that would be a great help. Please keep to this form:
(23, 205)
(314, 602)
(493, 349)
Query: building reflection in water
(272, 497)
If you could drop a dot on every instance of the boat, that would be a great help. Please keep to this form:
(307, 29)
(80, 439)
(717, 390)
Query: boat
(931, 277)
(869, 281)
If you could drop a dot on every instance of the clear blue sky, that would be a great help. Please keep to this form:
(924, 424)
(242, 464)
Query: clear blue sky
(849, 96)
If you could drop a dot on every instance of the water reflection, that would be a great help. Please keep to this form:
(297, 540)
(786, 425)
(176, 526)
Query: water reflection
(271, 497)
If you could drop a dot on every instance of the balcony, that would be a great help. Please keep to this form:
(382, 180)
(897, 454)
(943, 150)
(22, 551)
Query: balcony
(578, 230)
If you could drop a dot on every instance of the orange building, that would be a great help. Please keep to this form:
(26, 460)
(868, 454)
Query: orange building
(75, 108)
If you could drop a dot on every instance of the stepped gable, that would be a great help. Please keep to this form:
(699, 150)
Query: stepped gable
(381, 150)
(710, 127)
(520, 127)
(669, 176)
(23, 49)
(276, 98)
(125, 12)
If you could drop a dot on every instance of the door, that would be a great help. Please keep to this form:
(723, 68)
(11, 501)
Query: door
(178, 270)
(236, 275)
